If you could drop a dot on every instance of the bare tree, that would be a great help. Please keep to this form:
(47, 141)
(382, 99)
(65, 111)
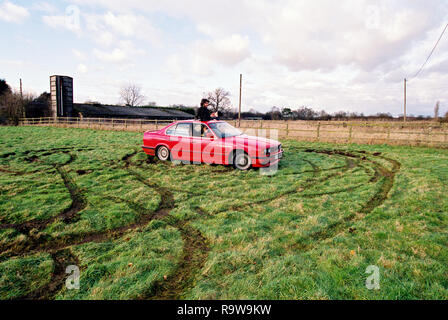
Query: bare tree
(131, 95)
(436, 111)
(219, 100)
(14, 105)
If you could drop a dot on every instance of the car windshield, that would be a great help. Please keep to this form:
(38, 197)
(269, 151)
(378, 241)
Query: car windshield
(224, 130)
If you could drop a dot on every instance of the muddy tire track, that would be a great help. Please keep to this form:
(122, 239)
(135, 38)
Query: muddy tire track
(194, 255)
(59, 248)
(79, 202)
(309, 183)
(195, 248)
(61, 260)
(381, 173)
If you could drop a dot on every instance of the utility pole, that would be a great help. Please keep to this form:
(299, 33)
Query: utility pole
(21, 100)
(405, 111)
(239, 109)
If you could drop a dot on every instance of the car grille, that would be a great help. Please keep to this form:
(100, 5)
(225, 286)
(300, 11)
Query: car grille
(275, 149)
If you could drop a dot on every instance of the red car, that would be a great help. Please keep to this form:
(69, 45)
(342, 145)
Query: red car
(214, 142)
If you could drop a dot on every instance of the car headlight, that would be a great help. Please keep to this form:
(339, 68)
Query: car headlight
(267, 152)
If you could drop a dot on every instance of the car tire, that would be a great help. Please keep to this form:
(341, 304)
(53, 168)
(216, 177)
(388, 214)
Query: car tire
(241, 161)
(163, 153)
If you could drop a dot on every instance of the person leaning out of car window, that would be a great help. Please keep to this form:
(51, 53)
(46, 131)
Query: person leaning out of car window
(204, 114)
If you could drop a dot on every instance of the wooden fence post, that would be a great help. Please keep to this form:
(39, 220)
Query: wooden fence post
(446, 137)
(388, 132)
(350, 132)
(157, 125)
(287, 128)
(318, 131)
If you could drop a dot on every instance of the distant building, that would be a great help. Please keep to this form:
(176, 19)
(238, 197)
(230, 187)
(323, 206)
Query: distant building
(62, 106)
(108, 111)
(61, 89)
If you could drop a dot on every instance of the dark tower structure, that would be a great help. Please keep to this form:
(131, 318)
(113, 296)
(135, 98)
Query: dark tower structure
(61, 88)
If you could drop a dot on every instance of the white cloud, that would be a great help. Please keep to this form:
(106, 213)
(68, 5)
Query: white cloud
(10, 12)
(121, 54)
(45, 7)
(82, 68)
(204, 57)
(116, 55)
(325, 34)
(79, 54)
(62, 22)
(227, 51)
(106, 28)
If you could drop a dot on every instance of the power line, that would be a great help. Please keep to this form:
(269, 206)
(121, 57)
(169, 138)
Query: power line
(429, 57)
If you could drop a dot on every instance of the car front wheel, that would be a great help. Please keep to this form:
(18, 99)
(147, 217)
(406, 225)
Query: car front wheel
(242, 161)
(163, 154)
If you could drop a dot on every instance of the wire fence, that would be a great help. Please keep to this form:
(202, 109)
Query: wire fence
(433, 134)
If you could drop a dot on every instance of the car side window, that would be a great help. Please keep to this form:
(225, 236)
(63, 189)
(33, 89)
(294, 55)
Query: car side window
(171, 130)
(200, 130)
(183, 130)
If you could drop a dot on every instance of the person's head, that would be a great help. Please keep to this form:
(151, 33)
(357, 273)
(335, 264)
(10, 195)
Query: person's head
(205, 103)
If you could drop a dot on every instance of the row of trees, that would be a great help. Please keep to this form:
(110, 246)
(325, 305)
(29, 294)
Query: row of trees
(305, 113)
(219, 98)
(132, 96)
(13, 103)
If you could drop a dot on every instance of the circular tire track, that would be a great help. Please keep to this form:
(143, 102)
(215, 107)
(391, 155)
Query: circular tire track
(59, 247)
(196, 246)
(381, 173)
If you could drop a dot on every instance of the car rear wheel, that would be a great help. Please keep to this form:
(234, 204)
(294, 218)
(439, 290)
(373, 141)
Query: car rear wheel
(163, 153)
(241, 161)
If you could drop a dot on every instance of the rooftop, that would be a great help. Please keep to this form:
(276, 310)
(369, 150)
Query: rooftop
(97, 110)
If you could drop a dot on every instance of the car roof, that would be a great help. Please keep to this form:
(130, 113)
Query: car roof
(197, 121)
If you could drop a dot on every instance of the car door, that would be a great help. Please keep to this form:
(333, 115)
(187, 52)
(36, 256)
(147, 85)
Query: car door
(199, 141)
(181, 141)
(205, 145)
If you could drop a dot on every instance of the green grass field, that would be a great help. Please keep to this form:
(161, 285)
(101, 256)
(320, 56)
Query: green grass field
(142, 229)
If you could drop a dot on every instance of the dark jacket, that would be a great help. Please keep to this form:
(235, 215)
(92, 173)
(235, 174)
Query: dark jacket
(204, 114)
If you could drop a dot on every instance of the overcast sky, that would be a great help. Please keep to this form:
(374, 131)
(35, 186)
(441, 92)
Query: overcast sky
(334, 55)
